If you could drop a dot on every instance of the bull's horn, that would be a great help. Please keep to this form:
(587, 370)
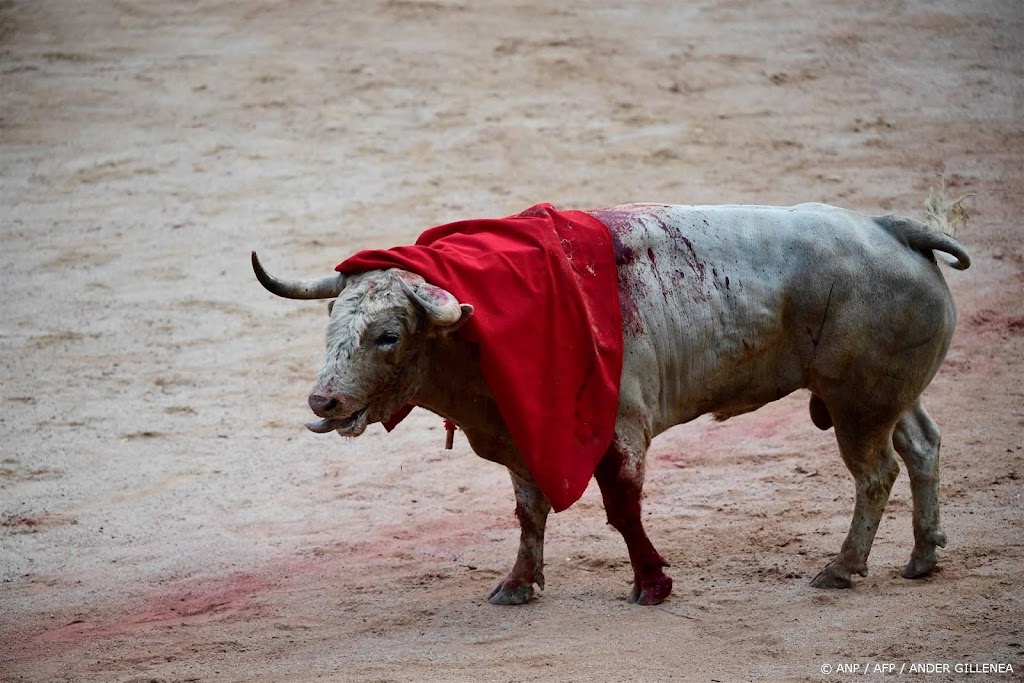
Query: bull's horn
(324, 288)
(440, 305)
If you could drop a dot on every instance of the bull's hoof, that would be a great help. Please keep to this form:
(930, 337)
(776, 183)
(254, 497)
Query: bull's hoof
(652, 592)
(827, 579)
(836, 575)
(921, 565)
(511, 592)
(923, 561)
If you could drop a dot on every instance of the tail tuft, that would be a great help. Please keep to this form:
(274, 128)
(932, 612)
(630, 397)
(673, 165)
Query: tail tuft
(942, 214)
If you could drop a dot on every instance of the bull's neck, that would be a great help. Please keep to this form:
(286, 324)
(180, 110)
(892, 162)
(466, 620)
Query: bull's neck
(452, 384)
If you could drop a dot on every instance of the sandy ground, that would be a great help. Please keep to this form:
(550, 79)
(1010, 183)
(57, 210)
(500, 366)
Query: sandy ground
(165, 517)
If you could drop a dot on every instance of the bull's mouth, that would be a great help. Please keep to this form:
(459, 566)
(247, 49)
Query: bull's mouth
(353, 425)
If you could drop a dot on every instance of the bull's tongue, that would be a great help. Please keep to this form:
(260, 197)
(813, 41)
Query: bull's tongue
(325, 425)
(329, 424)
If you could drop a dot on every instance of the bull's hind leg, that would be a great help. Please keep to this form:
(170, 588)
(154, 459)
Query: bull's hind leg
(532, 509)
(916, 438)
(868, 453)
(620, 475)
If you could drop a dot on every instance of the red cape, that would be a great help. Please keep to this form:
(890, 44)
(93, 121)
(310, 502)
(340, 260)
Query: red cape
(545, 292)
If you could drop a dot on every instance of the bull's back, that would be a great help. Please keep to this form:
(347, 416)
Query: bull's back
(737, 306)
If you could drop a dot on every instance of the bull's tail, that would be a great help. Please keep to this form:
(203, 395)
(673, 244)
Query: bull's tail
(942, 218)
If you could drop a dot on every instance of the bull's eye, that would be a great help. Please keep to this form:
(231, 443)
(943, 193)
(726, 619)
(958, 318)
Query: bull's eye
(386, 339)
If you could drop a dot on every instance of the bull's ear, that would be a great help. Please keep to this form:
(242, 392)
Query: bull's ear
(466, 314)
(440, 306)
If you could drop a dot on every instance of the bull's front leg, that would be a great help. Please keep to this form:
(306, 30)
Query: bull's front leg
(620, 475)
(532, 509)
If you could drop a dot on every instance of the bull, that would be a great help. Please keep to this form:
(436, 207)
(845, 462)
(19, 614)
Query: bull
(724, 309)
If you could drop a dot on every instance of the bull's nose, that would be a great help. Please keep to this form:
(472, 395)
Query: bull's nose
(323, 406)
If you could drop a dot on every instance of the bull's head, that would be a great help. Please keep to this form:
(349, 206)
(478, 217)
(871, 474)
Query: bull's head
(381, 321)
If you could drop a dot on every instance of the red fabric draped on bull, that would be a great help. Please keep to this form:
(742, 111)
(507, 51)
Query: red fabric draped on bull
(547, 321)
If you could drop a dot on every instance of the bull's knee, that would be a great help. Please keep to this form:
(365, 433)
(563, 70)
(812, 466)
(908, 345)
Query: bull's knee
(888, 471)
(875, 482)
(917, 438)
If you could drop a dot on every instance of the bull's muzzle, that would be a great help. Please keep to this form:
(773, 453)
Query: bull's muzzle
(323, 406)
(338, 413)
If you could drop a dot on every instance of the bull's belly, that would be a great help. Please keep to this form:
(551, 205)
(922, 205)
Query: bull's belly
(681, 391)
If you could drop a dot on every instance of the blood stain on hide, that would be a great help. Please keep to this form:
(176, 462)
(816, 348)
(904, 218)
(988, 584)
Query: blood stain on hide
(657, 274)
(696, 264)
(632, 322)
(618, 223)
(624, 255)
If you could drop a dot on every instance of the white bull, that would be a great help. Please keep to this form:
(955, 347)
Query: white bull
(725, 309)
